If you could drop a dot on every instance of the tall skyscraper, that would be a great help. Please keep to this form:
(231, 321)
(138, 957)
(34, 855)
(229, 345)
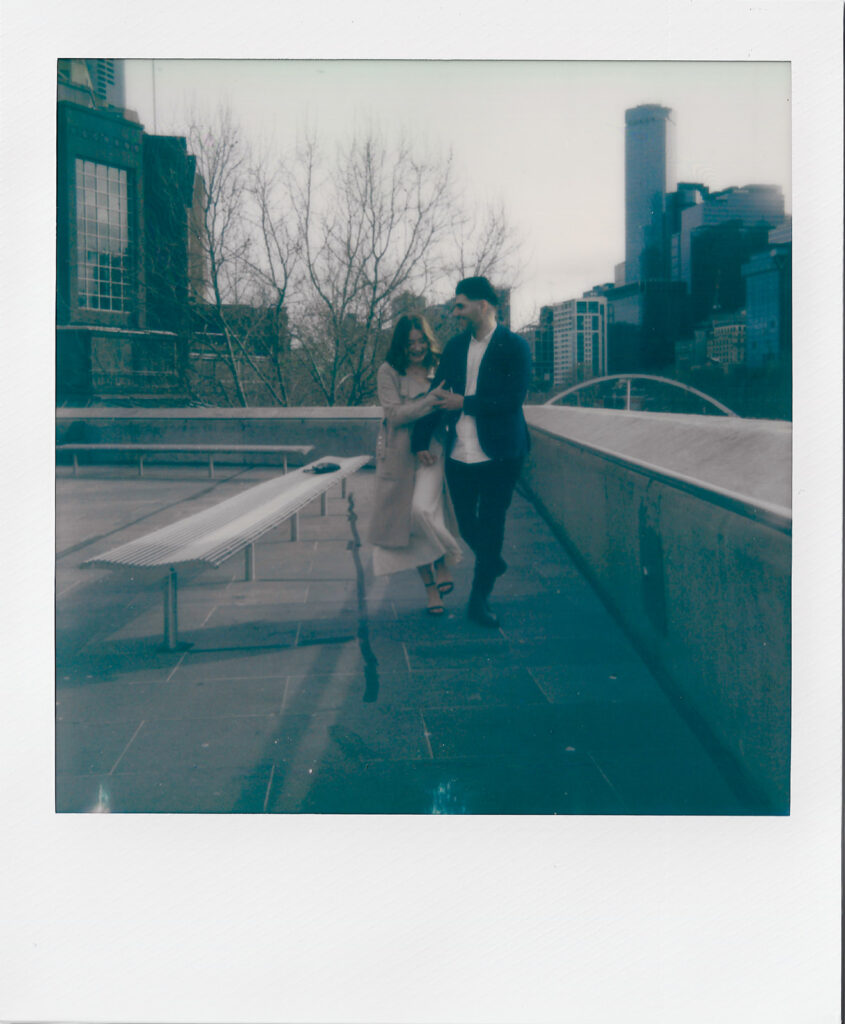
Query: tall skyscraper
(649, 176)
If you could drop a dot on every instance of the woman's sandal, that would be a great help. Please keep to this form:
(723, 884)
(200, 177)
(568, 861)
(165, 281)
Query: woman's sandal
(434, 609)
(445, 586)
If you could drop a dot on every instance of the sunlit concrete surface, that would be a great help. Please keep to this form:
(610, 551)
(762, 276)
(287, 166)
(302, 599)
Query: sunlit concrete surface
(744, 456)
(320, 689)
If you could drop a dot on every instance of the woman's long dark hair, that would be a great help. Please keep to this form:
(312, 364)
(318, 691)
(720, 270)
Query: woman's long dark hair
(397, 354)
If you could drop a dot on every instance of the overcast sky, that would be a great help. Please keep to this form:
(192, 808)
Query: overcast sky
(546, 137)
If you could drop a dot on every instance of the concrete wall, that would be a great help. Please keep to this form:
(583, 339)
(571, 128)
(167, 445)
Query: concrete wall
(694, 559)
(332, 431)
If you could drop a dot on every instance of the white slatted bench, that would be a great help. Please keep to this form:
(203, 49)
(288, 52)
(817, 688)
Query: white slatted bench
(143, 450)
(208, 538)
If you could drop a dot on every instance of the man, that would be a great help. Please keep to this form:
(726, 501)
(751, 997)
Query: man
(481, 384)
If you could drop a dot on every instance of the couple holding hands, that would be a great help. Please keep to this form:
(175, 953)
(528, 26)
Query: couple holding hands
(450, 448)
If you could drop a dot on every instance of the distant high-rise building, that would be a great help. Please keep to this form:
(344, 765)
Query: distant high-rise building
(768, 302)
(749, 206)
(649, 176)
(579, 337)
(645, 319)
(687, 195)
(107, 80)
(541, 342)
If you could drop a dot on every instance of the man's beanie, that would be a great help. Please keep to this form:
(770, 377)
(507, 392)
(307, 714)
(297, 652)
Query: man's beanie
(477, 288)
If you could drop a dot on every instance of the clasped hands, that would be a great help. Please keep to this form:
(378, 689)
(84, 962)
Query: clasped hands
(446, 399)
(443, 399)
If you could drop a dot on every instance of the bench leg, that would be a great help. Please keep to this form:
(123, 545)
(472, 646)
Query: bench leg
(75, 465)
(343, 488)
(284, 464)
(141, 465)
(249, 562)
(171, 612)
(211, 467)
(324, 504)
(171, 615)
(294, 526)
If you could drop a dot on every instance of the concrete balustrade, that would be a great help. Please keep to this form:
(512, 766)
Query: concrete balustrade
(338, 431)
(683, 525)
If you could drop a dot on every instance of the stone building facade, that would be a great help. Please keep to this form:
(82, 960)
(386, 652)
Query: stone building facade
(122, 251)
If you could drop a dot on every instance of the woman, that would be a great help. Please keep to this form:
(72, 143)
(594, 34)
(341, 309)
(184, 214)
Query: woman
(413, 524)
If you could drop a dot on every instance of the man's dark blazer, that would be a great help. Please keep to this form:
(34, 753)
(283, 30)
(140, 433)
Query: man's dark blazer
(503, 379)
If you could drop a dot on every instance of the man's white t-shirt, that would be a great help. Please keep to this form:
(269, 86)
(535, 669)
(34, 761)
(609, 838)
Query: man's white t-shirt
(467, 447)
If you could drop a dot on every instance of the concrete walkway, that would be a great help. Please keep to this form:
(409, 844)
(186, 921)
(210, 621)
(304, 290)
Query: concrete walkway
(320, 689)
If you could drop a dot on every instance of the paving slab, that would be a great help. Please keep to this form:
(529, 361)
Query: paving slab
(319, 688)
(92, 747)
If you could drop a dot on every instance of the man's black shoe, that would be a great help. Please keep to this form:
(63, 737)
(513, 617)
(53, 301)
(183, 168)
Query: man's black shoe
(479, 611)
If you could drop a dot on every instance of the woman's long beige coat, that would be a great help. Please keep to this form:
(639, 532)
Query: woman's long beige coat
(403, 400)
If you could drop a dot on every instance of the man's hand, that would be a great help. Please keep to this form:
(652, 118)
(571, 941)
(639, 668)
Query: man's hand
(426, 458)
(448, 400)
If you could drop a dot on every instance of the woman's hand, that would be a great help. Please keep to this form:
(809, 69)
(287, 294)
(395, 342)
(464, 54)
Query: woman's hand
(446, 399)
(426, 458)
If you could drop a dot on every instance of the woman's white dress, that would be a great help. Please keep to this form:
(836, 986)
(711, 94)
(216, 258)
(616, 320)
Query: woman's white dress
(430, 538)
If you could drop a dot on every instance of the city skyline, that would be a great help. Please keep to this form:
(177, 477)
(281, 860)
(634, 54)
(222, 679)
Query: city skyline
(732, 129)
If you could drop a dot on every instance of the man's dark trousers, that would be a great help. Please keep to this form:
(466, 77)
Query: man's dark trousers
(481, 493)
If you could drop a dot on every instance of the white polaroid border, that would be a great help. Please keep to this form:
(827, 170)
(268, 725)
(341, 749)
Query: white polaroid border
(354, 918)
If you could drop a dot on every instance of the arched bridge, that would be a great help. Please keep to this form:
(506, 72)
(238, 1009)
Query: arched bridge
(620, 391)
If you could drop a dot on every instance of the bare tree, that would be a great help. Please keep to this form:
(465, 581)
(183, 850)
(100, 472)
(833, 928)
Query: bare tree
(484, 243)
(273, 270)
(309, 261)
(221, 230)
(249, 251)
(372, 225)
